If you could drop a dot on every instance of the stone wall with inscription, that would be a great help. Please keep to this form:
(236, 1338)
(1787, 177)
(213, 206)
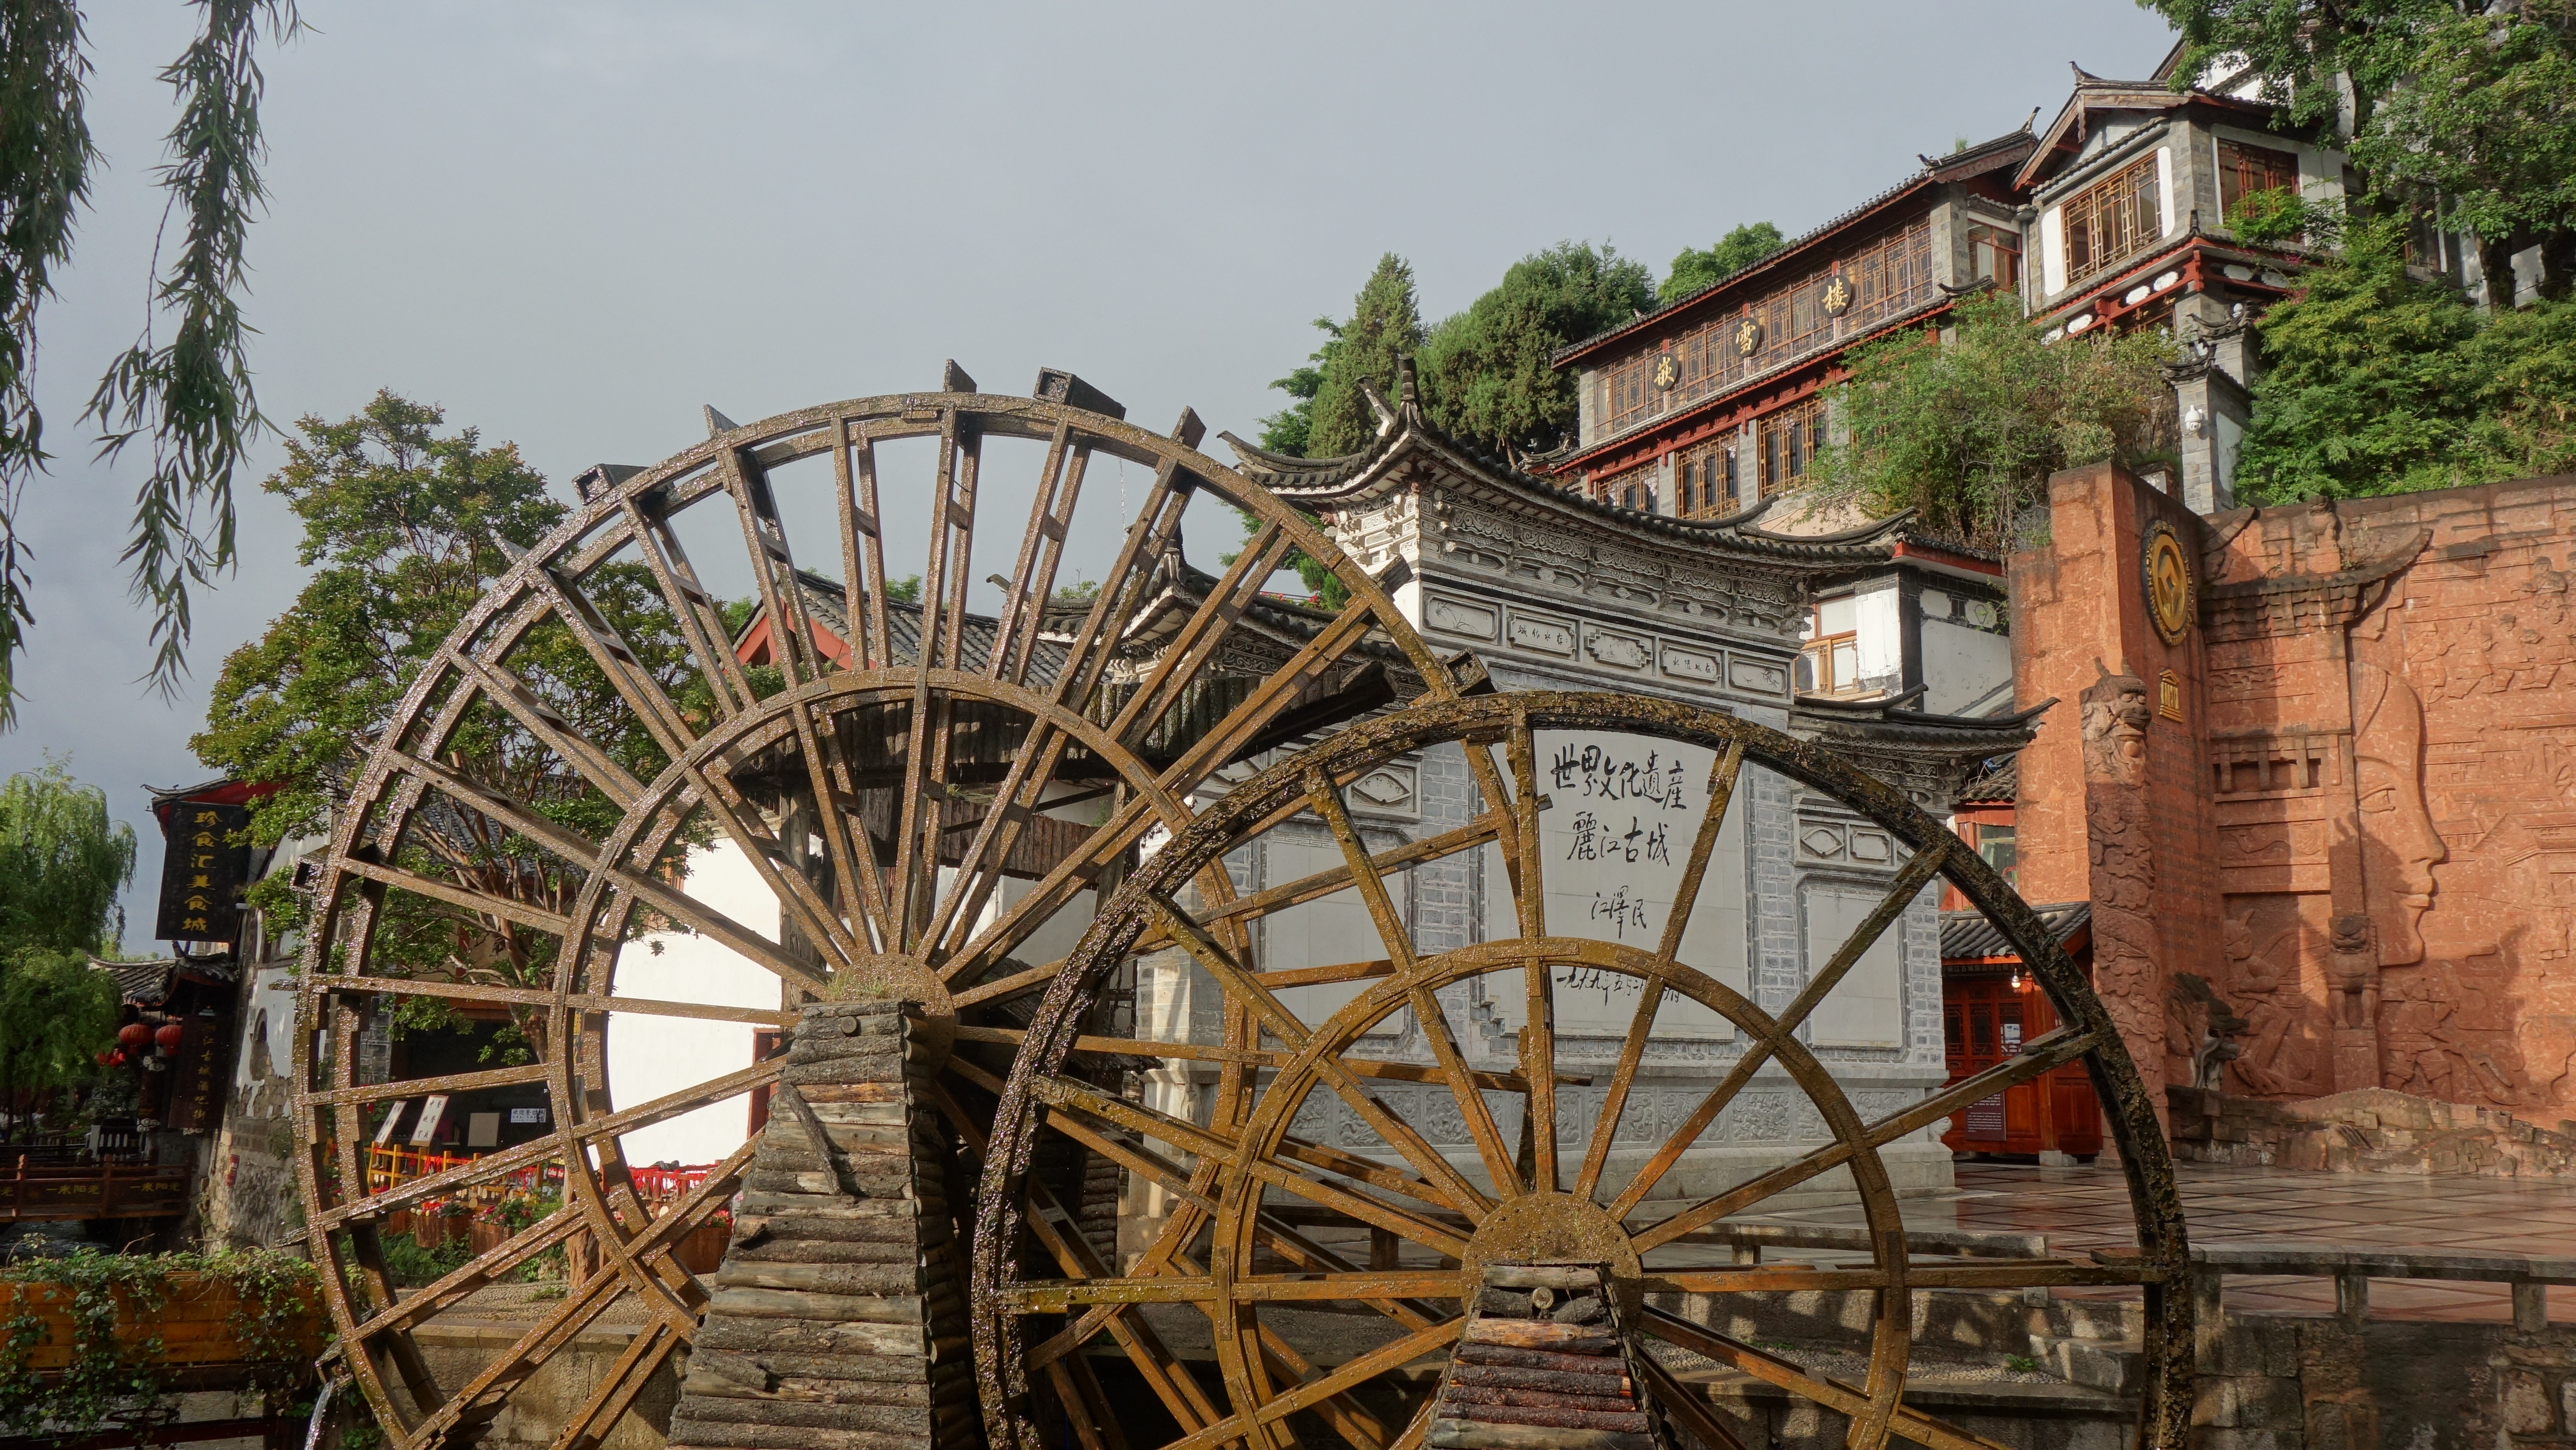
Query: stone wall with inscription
(2378, 725)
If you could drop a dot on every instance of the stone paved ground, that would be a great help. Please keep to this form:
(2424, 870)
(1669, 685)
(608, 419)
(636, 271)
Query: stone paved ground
(2087, 1207)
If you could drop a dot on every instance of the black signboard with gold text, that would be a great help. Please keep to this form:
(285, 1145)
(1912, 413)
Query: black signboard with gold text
(202, 871)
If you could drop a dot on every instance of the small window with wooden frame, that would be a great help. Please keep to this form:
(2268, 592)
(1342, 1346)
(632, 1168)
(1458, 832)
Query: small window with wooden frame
(1829, 662)
(2244, 170)
(2114, 219)
(1994, 254)
(1787, 442)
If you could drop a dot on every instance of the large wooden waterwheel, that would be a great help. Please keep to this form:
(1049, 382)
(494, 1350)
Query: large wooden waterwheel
(926, 775)
(1322, 1250)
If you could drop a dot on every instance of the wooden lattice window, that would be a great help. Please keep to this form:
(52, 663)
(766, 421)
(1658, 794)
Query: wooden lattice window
(1632, 488)
(1705, 480)
(1787, 442)
(2114, 220)
(2244, 170)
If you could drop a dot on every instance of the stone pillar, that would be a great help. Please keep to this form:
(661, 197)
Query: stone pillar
(838, 1322)
(2115, 805)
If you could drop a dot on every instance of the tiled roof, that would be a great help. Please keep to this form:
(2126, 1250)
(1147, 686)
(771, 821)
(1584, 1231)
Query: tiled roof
(1968, 936)
(2000, 785)
(1331, 481)
(825, 601)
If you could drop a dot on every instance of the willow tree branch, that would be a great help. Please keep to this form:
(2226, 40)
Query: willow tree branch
(191, 396)
(45, 160)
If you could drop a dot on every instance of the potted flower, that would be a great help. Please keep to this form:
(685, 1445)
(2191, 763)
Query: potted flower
(489, 1231)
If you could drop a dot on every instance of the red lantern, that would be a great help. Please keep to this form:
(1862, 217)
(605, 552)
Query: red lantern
(134, 1034)
(169, 1036)
(107, 1058)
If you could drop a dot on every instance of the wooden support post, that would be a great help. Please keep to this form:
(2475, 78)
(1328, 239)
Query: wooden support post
(2530, 1307)
(1747, 1254)
(1382, 1249)
(2352, 1297)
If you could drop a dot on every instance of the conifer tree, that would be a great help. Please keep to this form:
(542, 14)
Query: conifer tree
(1385, 324)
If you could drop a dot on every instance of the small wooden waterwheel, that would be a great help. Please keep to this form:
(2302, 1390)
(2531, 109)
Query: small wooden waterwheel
(1323, 1251)
(928, 778)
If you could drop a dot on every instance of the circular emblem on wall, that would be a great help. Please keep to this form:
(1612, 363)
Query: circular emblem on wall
(1668, 371)
(1748, 337)
(1837, 295)
(2169, 583)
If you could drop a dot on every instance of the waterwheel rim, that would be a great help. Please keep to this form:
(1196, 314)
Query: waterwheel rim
(1230, 1172)
(889, 881)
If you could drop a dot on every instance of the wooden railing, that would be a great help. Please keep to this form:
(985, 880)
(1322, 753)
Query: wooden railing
(104, 1190)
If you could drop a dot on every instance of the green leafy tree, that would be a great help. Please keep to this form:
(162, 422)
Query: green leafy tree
(56, 1016)
(62, 863)
(1746, 244)
(2377, 381)
(399, 527)
(1385, 324)
(2455, 108)
(184, 387)
(1488, 374)
(1967, 430)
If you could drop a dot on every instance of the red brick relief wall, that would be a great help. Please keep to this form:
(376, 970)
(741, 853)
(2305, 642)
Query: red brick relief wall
(2393, 760)
(2362, 829)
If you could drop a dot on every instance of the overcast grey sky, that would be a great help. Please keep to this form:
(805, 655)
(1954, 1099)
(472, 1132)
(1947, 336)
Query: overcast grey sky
(573, 223)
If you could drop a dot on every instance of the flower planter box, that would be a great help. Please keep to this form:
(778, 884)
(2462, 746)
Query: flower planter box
(196, 1324)
(485, 1237)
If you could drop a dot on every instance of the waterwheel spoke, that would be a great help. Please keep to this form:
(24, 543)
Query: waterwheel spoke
(1910, 882)
(480, 903)
(454, 1082)
(710, 644)
(1283, 1024)
(1487, 827)
(2040, 1055)
(1538, 975)
(586, 856)
(565, 1143)
(1031, 586)
(1690, 1409)
(1357, 1371)
(1830, 1393)
(862, 531)
(1190, 649)
(541, 720)
(1632, 1049)
(1065, 1094)
(795, 643)
(1427, 1011)
(617, 660)
(452, 1287)
(539, 997)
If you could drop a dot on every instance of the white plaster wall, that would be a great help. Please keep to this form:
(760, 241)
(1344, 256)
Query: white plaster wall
(1867, 1007)
(2052, 251)
(2165, 188)
(1961, 665)
(650, 1057)
(1880, 633)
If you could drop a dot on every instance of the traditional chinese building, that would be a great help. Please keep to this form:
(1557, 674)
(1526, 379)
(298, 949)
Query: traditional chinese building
(2116, 215)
